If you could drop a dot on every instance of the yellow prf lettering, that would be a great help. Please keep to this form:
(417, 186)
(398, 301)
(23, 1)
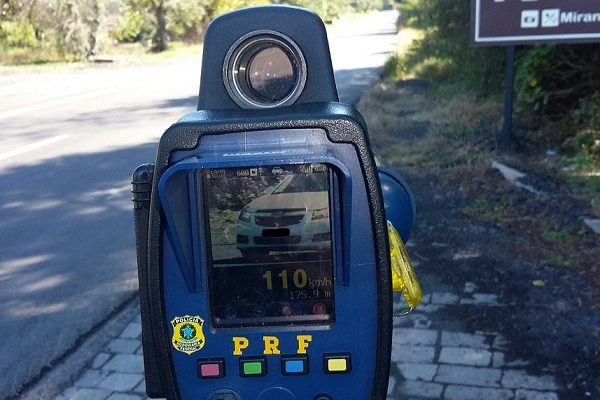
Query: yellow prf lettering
(271, 343)
(239, 344)
(303, 343)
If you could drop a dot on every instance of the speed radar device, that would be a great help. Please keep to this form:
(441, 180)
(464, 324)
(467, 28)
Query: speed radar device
(261, 228)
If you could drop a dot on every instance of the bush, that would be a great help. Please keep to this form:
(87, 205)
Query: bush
(135, 25)
(445, 52)
(17, 34)
(366, 5)
(328, 10)
(185, 18)
(550, 79)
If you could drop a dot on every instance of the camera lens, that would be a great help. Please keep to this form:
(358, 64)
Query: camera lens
(264, 69)
(272, 74)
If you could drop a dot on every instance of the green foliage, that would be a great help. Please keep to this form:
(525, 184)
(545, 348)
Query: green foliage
(328, 10)
(17, 34)
(550, 79)
(366, 5)
(584, 143)
(561, 83)
(185, 18)
(47, 30)
(444, 52)
(135, 25)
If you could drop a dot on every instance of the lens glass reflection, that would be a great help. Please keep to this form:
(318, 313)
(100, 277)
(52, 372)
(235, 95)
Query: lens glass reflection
(271, 74)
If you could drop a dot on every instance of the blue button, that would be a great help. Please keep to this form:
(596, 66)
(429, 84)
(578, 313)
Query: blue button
(294, 365)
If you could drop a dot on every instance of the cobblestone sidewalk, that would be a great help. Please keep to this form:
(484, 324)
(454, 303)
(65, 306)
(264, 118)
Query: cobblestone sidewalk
(452, 365)
(427, 363)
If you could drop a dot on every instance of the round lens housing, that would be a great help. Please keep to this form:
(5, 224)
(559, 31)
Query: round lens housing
(264, 69)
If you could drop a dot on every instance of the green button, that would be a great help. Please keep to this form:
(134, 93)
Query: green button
(253, 368)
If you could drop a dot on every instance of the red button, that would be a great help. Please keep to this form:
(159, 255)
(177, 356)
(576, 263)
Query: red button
(211, 368)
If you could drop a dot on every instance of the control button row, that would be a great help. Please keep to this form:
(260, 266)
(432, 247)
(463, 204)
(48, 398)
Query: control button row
(334, 363)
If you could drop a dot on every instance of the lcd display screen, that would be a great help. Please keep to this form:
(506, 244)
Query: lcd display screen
(270, 244)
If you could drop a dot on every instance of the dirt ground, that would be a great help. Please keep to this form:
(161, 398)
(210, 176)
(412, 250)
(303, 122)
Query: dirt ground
(533, 250)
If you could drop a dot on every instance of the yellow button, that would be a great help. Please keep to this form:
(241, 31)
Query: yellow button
(337, 365)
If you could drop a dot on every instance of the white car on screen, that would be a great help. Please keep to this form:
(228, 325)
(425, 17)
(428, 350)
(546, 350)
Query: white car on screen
(291, 216)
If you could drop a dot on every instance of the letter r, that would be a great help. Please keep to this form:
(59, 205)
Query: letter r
(271, 343)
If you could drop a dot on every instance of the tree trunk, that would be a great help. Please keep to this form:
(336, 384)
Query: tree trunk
(161, 38)
(93, 22)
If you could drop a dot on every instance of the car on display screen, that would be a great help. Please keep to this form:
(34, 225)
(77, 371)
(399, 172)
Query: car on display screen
(291, 216)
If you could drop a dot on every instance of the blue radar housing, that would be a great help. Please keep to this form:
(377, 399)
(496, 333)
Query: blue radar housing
(261, 231)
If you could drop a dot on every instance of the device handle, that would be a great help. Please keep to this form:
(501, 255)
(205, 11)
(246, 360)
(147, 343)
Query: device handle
(142, 191)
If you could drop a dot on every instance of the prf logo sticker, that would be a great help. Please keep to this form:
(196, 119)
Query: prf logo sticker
(187, 333)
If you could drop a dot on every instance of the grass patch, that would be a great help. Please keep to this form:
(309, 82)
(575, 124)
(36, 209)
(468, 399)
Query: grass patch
(466, 116)
(30, 56)
(488, 210)
(561, 261)
(394, 68)
(450, 131)
(120, 54)
(560, 236)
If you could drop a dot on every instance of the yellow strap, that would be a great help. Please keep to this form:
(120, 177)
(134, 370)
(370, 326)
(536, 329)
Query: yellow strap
(404, 278)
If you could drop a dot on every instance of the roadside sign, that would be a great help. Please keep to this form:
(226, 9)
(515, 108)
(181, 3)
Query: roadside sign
(511, 22)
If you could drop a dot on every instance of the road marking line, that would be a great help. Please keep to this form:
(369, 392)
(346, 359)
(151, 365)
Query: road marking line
(32, 146)
(50, 103)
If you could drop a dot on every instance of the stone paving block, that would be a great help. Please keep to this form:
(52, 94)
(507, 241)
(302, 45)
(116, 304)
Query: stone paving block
(141, 388)
(458, 375)
(415, 337)
(132, 363)
(444, 298)
(470, 287)
(91, 378)
(415, 371)
(120, 382)
(459, 339)
(465, 356)
(100, 359)
(428, 308)
(516, 363)
(455, 392)
(487, 299)
(422, 323)
(519, 379)
(482, 299)
(500, 343)
(413, 320)
(465, 255)
(89, 394)
(415, 354)
(497, 359)
(124, 346)
(421, 389)
(523, 394)
(122, 396)
(132, 331)
(391, 386)
(67, 394)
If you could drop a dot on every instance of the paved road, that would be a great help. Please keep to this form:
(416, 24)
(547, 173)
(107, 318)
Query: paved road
(69, 141)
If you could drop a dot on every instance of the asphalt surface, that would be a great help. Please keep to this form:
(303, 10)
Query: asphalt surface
(69, 140)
